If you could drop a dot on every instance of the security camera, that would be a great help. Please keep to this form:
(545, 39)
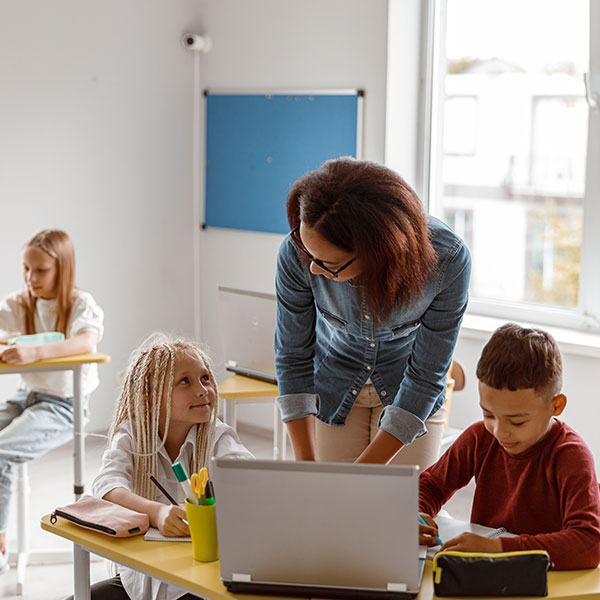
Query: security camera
(197, 43)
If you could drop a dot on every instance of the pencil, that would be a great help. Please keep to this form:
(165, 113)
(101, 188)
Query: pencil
(162, 489)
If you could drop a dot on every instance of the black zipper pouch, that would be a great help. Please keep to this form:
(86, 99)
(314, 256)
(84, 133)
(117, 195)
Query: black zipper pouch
(520, 573)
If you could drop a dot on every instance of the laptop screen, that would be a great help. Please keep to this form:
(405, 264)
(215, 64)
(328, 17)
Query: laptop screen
(317, 524)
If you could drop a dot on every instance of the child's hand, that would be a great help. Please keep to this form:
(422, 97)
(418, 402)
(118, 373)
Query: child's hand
(20, 355)
(470, 542)
(170, 520)
(427, 533)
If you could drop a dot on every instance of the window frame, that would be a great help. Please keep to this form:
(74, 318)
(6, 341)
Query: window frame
(587, 314)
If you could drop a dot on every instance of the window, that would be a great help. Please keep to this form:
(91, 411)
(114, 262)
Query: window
(509, 144)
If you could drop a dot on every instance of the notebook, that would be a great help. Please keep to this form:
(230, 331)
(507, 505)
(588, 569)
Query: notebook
(247, 326)
(326, 530)
(154, 535)
(449, 528)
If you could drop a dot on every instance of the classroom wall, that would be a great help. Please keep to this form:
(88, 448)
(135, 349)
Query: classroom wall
(96, 132)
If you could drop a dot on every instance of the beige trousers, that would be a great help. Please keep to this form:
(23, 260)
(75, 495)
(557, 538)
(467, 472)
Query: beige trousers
(345, 444)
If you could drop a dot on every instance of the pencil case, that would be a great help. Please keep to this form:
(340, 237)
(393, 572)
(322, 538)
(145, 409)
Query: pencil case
(519, 573)
(37, 339)
(103, 516)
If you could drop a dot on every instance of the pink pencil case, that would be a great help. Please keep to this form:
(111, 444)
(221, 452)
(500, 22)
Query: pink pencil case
(103, 516)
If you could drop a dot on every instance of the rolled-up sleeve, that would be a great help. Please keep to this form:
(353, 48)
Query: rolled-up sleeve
(294, 336)
(423, 387)
(86, 316)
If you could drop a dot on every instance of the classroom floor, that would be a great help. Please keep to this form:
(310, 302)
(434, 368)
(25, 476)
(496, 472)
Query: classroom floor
(52, 474)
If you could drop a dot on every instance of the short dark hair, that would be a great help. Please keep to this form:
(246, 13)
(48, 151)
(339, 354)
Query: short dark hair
(366, 208)
(518, 358)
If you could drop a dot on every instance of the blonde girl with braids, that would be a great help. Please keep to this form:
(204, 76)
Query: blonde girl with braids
(39, 415)
(166, 412)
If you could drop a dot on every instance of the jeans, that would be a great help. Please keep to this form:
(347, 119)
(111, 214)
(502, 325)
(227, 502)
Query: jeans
(31, 424)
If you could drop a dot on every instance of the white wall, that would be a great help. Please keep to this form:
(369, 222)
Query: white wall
(95, 122)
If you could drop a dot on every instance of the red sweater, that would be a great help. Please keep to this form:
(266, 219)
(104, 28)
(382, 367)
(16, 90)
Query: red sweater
(548, 494)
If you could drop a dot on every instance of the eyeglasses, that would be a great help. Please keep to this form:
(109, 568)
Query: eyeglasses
(295, 233)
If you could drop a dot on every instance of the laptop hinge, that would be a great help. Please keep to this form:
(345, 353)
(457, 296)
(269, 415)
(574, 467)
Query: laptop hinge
(241, 577)
(396, 587)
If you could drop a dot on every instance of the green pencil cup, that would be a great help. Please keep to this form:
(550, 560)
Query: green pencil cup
(202, 521)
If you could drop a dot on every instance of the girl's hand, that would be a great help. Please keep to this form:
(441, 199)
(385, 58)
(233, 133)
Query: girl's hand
(471, 542)
(427, 533)
(170, 520)
(20, 355)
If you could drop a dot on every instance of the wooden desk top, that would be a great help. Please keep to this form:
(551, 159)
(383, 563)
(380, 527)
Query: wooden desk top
(238, 386)
(60, 361)
(172, 561)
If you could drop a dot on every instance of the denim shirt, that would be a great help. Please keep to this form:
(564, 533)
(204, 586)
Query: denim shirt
(328, 344)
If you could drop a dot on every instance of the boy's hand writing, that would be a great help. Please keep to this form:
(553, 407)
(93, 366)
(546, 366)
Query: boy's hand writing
(471, 542)
(170, 520)
(427, 533)
(20, 355)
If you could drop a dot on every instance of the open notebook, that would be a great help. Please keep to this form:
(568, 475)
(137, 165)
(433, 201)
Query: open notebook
(154, 535)
(449, 528)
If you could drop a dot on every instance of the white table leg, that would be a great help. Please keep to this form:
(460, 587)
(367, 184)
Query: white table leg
(78, 435)
(229, 412)
(81, 558)
(81, 573)
(279, 436)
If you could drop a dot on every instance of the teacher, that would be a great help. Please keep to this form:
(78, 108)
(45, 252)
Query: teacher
(370, 296)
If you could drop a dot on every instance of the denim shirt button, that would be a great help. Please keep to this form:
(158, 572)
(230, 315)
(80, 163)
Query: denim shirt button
(354, 392)
(372, 345)
(384, 393)
(368, 368)
(367, 317)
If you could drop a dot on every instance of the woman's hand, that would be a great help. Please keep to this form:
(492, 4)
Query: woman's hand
(471, 542)
(428, 533)
(20, 355)
(169, 520)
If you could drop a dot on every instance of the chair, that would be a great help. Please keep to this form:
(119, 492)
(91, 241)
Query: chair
(455, 381)
(23, 555)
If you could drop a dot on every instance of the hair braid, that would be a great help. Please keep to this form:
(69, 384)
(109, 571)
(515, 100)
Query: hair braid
(149, 378)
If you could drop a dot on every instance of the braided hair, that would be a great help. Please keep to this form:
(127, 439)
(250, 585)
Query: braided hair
(149, 379)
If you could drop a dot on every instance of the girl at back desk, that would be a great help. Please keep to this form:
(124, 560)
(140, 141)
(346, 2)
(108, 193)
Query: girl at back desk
(167, 412)
(39, 415)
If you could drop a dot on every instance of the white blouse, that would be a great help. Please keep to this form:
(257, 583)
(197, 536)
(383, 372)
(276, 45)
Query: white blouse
(86, 315)
(117, 471)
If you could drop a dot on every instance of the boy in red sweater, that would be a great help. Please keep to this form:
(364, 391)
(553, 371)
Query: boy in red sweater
(534, 475)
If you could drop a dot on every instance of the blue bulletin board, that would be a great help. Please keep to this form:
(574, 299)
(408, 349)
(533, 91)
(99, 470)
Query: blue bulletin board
(257, 145)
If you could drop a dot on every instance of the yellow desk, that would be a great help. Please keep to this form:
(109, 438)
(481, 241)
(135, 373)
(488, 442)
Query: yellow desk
(238, 388)
(75, 364)
(172, 562)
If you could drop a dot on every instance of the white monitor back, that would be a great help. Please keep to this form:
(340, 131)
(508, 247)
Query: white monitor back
(247, 324)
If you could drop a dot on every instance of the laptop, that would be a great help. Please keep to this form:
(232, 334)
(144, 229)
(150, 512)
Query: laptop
(247, 324)
(327, 530)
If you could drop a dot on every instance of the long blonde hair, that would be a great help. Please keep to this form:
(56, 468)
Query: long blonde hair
(149, 378)
(58, 245)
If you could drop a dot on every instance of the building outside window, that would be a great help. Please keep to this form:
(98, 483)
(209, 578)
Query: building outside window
(511, 141)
